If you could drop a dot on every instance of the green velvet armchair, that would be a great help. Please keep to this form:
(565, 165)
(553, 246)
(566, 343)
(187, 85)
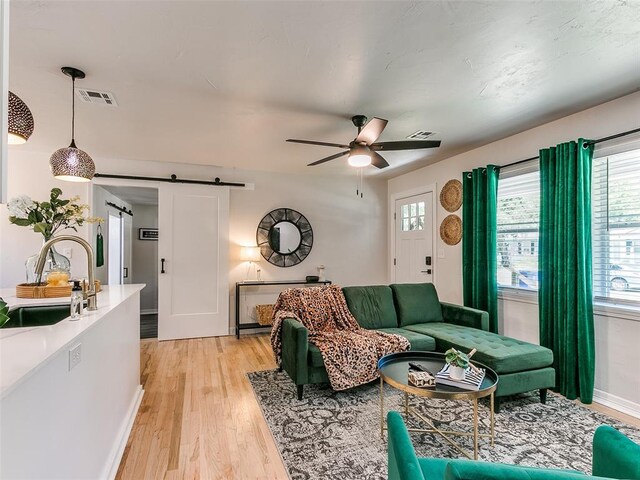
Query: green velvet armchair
(614, 456)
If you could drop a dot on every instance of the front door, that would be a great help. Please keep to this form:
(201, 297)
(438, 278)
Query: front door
(193, 284)
(413, 261)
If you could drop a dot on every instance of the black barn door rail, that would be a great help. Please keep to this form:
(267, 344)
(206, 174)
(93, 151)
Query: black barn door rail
(173, 179)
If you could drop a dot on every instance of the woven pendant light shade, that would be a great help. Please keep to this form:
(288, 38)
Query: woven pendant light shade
(20, 120)
(72, 164)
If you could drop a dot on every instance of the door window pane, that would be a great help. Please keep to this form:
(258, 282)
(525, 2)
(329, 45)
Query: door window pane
(413, 216)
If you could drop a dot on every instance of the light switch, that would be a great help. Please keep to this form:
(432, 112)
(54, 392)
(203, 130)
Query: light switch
(441, 253)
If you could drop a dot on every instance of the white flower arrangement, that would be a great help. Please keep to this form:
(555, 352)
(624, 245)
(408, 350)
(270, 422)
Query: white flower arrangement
(19, 206)
(48, 217)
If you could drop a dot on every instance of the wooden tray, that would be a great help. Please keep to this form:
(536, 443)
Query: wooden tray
(32, 290)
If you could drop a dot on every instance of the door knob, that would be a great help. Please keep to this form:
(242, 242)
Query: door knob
(162, 265)
(428, 272)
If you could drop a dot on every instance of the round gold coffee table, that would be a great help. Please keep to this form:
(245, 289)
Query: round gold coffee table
(394, 370)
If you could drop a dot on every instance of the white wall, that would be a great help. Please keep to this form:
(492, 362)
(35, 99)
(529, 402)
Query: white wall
(145, 256)
(349, 232)
(617, 335)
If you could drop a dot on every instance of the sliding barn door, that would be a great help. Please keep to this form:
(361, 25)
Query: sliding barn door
(193, 239)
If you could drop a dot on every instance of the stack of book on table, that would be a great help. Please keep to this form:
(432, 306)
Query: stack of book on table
(472, 378)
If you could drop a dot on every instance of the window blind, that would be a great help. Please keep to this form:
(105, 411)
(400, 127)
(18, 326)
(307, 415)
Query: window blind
(616, 227)
(518, 220)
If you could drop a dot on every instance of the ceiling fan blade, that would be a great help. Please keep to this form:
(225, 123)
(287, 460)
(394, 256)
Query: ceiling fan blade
(405, 145)
(378, 161)
(311, 142)
(371, 131)
(326, 159)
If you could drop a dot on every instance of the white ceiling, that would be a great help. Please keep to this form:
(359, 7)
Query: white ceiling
(225, 83)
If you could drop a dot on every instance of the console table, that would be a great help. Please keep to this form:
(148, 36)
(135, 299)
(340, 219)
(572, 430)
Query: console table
(240, 285)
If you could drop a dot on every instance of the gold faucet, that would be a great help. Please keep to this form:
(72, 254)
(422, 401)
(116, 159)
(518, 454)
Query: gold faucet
(90, 294)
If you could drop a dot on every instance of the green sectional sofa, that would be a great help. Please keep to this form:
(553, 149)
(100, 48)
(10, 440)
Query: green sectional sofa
(415, 312)
(614, 456)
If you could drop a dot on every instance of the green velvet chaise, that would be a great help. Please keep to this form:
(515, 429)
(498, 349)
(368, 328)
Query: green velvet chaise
(415, 312)
(614, 456)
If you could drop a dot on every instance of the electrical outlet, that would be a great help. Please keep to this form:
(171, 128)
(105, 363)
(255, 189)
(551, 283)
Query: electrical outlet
(67, 252)
(75, 355)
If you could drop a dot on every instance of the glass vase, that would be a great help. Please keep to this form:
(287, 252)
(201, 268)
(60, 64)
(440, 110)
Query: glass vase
(55, 262)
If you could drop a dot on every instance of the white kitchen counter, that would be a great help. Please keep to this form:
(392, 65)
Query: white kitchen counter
(23, 351)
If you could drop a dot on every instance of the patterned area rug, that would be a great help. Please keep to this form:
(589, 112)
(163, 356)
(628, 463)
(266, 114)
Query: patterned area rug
(331, 435)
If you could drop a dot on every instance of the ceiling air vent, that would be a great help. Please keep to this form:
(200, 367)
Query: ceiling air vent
(420, 135)
(96, 97)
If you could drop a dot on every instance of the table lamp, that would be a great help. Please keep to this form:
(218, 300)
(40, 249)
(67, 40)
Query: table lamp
(251, 255)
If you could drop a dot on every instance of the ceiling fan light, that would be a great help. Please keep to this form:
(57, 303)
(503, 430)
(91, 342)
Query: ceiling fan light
(72, 165)
(359, 160)
(20, 120)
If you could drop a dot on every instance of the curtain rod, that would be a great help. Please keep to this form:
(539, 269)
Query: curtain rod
(173, 179)
(119, 208)
(593, 142)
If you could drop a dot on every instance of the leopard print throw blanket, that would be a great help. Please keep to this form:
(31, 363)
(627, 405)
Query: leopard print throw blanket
(350, 352)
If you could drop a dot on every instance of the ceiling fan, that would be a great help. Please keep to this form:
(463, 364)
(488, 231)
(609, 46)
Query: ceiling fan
(363, 150)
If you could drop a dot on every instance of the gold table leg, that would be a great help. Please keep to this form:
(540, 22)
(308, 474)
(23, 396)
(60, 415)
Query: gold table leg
(475, 429)
(493, 422)
(446, 433)
(381, 407)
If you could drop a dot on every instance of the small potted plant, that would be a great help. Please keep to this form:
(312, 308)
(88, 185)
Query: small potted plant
(458, 363)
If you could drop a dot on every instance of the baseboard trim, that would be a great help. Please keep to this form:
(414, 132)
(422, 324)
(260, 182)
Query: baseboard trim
(617, 403)
(150, 311)
(123, 437)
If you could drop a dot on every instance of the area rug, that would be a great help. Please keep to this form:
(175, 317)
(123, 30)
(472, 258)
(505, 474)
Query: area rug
(336, 435)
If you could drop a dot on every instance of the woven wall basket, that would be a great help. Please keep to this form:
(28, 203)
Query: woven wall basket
(451, 230)
(451, 195)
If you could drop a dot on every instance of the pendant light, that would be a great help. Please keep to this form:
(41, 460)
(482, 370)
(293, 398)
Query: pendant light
(71, 163)
(20, 120)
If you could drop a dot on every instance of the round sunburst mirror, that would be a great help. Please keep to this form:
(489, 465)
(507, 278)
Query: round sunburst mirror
(285, 237)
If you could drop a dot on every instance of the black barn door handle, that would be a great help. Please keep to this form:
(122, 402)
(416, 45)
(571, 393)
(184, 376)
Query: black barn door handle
(162, 267)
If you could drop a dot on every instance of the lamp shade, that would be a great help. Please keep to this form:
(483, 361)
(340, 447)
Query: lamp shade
(359, 156)
(20, 120)
(359, 160)
(72, 164)
(250, 254)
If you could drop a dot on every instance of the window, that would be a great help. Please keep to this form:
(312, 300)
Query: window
(412, 216)
(518, 219)
(616, 227)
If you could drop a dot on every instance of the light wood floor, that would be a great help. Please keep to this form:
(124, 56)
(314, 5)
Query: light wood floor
(199, 418)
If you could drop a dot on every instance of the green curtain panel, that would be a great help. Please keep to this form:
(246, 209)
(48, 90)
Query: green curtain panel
(565, 289)
(479, 241)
